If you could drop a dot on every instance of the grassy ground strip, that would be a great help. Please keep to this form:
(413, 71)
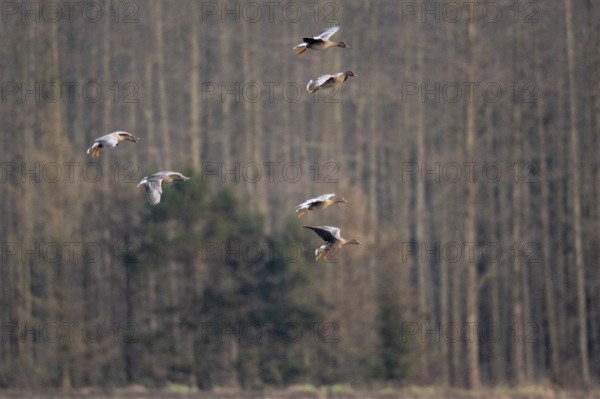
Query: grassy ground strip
(303, 392)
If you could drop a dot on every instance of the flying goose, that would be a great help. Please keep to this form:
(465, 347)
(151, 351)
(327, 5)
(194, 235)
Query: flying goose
(319, 202)
(110, 140)
(320, 42)
(327, 81)
(153, 184)
(333, 240)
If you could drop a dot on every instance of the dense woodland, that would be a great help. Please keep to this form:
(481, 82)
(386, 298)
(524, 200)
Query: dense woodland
(466, 148)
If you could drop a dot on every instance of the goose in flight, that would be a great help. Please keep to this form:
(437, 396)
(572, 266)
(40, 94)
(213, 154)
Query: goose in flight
(327, 81)
(111, 140)
(320, 42)
(319, 202)
(153, 184)
(333, 240)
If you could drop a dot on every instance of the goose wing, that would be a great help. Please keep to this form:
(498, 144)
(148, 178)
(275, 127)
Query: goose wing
(318, 82)
(109, 140)
(327, 233)
(328, 33)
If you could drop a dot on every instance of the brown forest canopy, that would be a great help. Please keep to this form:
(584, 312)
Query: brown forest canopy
(466, 148)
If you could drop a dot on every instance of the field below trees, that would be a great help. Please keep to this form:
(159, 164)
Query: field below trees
(307, 392)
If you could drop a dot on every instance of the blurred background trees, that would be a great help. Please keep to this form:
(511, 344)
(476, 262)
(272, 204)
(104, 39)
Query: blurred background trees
(467, 149)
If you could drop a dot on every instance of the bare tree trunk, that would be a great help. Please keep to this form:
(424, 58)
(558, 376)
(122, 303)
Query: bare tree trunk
(547, 259)
(159, 16)
(576, 200)
(150, 128)
(20, 275)
(57, 131)
(560, 256)
(230, 142)
(420, 223)
(517, 217)
(373, 145)
(497, 348)
(516, 299)
(594, 94)
(471, 227)
(253, 122)
(444, 352)
(195, 104)
(456, 288)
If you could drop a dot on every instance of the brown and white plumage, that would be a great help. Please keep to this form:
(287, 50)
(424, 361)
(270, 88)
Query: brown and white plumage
(333, 240)
(327, 81)
(321, 41)
(153, 184)
(110, 140)
(319, 202)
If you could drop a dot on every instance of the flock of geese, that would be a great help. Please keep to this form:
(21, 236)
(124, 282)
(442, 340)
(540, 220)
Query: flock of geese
(331, 235)
(152, 185)
(322, 42)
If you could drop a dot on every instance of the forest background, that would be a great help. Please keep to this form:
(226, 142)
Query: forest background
(467, 149)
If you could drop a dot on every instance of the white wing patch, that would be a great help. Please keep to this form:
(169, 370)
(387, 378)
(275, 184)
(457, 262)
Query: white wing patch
(329, 32)
(318, 82)
(108, 141)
